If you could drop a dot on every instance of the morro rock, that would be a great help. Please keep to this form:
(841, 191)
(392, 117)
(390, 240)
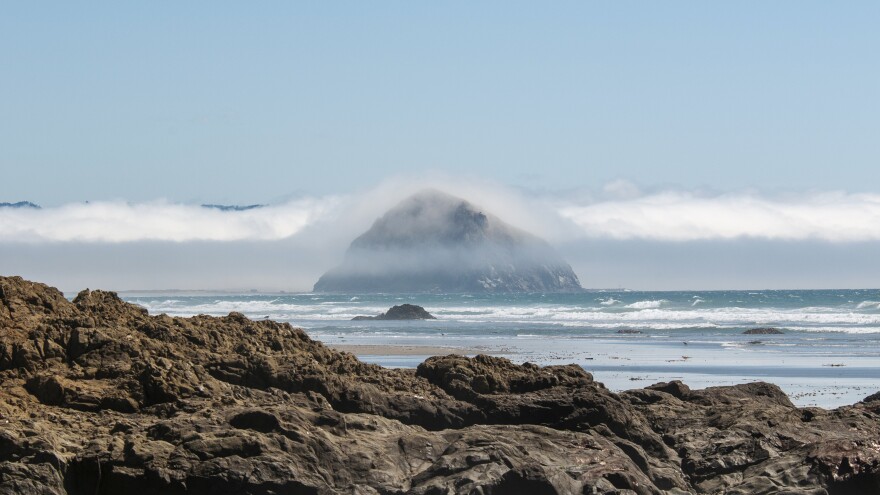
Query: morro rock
(434, 242)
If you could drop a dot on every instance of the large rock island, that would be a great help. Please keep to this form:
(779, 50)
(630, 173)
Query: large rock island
(99, 397)
(434, 242)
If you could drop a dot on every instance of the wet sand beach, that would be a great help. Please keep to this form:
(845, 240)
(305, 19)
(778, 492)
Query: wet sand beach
(405, 350)
(636, 362)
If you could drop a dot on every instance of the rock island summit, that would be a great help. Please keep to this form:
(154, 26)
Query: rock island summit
(436, 242)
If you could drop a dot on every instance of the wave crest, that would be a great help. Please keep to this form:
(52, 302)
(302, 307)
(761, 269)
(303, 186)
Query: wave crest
(652, 304)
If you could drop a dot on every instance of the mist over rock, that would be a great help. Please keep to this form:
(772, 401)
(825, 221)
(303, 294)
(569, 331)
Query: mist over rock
(435, 242)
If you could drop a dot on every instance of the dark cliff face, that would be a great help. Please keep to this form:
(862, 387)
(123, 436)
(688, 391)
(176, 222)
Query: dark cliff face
(434, 242)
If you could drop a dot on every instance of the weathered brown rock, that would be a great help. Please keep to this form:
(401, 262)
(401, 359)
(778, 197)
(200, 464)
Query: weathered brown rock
(401, 312)
(97, 396)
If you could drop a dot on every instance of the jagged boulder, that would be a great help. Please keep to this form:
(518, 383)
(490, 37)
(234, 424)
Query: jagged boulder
(401, 312)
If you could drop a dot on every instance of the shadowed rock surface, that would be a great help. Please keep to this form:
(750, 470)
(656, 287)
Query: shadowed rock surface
(402, 312)
(98, 397)
(434, 242)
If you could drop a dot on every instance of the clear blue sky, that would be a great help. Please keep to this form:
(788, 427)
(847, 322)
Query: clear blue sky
(250, 101)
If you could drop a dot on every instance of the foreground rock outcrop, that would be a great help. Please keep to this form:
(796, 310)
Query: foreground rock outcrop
(98, 397)
(434, 242)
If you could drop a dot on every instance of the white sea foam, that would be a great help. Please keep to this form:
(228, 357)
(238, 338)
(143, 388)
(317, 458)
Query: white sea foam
(608, 302)
(835, 329)
(646, 314)
(868, 305)
(646, 304)
(639, 326)
(262, 307)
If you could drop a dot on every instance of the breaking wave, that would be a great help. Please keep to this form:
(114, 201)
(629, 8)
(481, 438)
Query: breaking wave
(660, 314)
(646, 304)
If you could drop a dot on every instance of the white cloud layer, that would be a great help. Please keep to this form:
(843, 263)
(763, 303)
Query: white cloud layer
(678, 216)
(616, 236)
(115, 222)
(621, 212)
(333, 219)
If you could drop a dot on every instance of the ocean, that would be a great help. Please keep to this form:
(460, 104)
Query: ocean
(828, 355)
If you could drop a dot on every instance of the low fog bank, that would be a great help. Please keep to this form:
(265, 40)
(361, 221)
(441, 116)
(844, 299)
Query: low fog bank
(617, 236)
(370, 262)
(719, 265)
(489, 266)
(331, 216)
(232, 266)
(296, 266)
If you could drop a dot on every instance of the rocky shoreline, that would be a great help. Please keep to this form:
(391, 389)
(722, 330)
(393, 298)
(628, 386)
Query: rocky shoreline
(99, 397)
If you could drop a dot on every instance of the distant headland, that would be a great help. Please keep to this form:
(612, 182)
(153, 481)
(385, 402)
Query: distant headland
(20, 204)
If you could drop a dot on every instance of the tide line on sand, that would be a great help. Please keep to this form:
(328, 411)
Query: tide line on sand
(404, 350)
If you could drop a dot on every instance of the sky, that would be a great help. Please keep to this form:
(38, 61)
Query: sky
(658, 145)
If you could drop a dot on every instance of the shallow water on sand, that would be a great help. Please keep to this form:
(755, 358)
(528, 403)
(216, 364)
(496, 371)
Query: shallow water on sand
(829, 354)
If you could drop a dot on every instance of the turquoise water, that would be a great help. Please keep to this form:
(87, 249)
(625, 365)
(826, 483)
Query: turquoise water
(829, 354)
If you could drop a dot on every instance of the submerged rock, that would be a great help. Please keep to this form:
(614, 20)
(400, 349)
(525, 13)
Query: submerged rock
(97, 396)
(763, 331)
(434, 242)
(402, 312)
